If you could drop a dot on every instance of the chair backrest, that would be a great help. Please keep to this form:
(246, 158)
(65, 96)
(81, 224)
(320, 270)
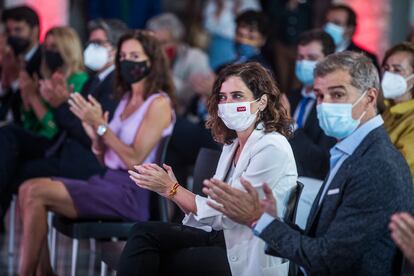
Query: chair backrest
(205, 167)
(158, 204)
(292, 207)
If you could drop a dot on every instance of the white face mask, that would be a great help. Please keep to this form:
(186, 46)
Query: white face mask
(95, 56)
(237, 116)
(394, 85)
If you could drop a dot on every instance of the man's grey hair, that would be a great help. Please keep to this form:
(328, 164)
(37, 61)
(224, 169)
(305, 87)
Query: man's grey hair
(167, 22)
(363, 73)
(113, 28)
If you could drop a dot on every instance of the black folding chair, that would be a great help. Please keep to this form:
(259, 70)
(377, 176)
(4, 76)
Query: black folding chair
(105, 229)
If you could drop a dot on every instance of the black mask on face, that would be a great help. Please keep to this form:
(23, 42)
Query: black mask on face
(133, 71)
(53, 60)
(18, 44)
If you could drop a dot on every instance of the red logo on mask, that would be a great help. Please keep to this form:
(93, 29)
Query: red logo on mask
(241, 108)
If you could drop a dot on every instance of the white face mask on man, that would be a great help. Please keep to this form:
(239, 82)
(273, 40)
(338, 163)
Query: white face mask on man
(394, 85)
(237, 116)
(95, 56)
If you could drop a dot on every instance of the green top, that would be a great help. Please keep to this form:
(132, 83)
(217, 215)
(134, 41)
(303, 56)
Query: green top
(47, 126)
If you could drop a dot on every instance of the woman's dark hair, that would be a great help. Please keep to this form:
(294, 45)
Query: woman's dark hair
(260, 82)
(159, 77)
(326, 41)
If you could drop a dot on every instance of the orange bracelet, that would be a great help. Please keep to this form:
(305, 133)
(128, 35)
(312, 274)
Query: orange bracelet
(173, 190)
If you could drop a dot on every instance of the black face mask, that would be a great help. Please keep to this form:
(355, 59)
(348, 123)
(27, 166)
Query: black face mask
(18, 44)
(133, 71)
(53, 60)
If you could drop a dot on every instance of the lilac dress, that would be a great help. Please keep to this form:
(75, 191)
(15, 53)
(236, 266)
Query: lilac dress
(114, 194)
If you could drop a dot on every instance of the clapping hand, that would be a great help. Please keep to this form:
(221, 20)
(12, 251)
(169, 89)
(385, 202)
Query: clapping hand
(29, 88)
(154, 178)
(89, 112)
(402, 232)
(55, 90)
(243, 207)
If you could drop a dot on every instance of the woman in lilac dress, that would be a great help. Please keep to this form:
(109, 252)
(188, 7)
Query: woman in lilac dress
(143, 116)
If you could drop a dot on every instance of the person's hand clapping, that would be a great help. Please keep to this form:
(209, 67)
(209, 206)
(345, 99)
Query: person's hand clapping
(154, 178)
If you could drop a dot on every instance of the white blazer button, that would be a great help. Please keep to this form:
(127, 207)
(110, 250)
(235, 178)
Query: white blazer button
(233, 258)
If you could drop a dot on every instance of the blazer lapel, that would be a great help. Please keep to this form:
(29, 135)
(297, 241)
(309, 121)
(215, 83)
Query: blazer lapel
(225, 160)
(341, 174)
(245, 157)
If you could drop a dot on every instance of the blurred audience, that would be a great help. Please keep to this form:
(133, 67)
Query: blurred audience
(134, 13)
(341, 24)
(22, 54)
(369, 180)
(398, 88)
(62, 66)
(170, 32)
(220, 23)
(309, 143)
(247, 118)
(288, 18)
(143, 117)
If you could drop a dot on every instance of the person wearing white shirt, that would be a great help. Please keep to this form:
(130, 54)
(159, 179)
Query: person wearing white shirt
(247, 117)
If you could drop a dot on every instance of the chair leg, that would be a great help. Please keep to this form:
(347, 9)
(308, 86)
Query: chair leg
(53, 247)
(104, 268)
(12, 219)
(92, 256)
(75, 248)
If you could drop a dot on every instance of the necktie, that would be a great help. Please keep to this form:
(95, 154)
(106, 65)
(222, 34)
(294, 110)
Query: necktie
(302, 108)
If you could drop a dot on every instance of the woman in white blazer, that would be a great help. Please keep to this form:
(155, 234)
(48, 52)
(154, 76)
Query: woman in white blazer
(246, 116)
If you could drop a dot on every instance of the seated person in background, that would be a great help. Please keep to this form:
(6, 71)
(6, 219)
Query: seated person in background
(185, 61)
(341, 24)
(190, 133)
(61, 63)
(309, 143)
(22, 54)
(245, 116)
(369, 180)
(143, 116)
(398, 88)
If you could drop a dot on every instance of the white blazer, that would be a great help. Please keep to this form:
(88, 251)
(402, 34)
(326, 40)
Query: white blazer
(266, 157)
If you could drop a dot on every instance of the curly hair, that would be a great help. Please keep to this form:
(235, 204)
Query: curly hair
(260, 82)
(159, 77)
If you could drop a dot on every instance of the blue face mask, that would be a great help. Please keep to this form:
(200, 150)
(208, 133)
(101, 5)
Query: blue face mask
(246, 50)
(304, 71)
(336, 32)
(336, 119)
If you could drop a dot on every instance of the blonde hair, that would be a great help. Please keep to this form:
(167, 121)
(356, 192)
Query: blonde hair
(70, 48)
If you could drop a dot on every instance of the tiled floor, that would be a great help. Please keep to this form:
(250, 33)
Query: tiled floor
(88, 261)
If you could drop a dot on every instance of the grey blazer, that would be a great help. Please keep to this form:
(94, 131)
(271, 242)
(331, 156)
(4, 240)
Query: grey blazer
(348, 233)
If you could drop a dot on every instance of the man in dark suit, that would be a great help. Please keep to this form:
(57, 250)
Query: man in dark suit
(22, 54)
(369, 180)
(309, 143)
(70, 155)
(341, 24)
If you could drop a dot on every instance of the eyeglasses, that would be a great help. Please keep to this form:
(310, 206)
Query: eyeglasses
(99, 42)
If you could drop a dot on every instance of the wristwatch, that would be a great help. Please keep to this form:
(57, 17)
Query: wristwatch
(101, 130)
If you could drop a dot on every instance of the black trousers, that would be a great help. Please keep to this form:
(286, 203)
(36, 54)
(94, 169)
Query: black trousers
(157, 248)
(17, 146)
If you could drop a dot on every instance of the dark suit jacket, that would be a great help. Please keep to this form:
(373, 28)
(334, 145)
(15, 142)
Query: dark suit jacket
(355, 48)
(348, 233)
(310, 145)
(12, 100)
(75, 157)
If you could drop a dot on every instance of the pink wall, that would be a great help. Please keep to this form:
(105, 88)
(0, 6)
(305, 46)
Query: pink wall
(373, 24)
(51, 12)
